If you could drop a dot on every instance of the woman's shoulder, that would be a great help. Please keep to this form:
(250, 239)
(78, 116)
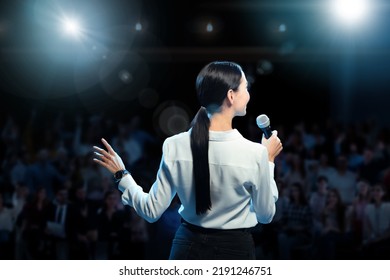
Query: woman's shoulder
(176, 144)
(180, 137)
(253, 145)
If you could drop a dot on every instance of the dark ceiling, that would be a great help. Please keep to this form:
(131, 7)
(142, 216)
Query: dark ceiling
(293, 51)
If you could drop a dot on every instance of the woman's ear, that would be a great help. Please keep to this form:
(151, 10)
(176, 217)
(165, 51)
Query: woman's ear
(230, 96)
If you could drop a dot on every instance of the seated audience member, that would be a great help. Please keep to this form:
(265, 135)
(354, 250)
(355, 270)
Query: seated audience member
(6, 230)
(377, 226)
(296, 230)
(355, 213)
(333, 227)
(317, 202)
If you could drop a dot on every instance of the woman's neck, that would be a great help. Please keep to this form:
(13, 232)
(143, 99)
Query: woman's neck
(220, 122)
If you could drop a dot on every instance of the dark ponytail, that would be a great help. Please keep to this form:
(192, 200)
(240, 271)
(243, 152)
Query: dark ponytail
(212, 85)
(200, 149)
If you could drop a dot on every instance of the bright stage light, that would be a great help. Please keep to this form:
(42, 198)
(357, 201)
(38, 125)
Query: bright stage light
(350, 11)
(282, 28)
(72, 27)
(138, 26)
(209, 27)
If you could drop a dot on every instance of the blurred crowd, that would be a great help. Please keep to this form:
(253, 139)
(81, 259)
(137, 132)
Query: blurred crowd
(56, 203)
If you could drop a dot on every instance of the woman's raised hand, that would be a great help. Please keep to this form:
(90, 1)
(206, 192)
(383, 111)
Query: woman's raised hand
(108, 159)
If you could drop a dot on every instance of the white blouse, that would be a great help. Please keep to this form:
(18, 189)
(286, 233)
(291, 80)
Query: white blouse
(242, 186)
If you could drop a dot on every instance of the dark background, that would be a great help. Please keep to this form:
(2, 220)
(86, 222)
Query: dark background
(315, 77)
(319, 68)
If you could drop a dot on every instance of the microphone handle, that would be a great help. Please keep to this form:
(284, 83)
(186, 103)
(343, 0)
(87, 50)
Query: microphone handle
(267, 132)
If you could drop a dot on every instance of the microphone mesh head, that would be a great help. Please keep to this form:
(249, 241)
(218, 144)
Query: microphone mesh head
(262, 121)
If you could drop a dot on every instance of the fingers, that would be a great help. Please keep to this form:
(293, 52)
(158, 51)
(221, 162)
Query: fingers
(106, 162)
(99, 155)
(100, 162)
(108, 158)
(101, 152)
(108, 146)
(277, 142)
(103, 158)
(280, 148)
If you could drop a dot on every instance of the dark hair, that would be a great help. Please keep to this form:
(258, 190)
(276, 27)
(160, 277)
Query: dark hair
(212, 84)
(302, 197)
(340, 208)
(321, 178)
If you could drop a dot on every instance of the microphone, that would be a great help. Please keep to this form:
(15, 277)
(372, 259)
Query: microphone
(263, 123)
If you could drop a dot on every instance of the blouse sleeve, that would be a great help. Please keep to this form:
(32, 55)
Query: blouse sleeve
(265, 192)
(151, 205)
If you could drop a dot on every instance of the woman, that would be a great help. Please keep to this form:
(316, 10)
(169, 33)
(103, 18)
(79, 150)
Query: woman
(355, 212)
(224, 181)
(294, 238)
(33, 219)
(376, 226)
(333, 226)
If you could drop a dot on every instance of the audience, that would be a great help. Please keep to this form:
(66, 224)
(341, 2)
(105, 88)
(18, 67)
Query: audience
(356, 211)
(333, 226)
(376, 243)
(334, 182)
(317, 202)
(296, 223)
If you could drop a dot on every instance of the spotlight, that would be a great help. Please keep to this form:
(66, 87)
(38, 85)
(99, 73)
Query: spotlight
(125, 76)
(350, 11)
(72, 27)
(209, 27)
(138, 26)
(282, 28)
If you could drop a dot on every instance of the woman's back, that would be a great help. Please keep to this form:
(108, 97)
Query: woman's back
(236, 173)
